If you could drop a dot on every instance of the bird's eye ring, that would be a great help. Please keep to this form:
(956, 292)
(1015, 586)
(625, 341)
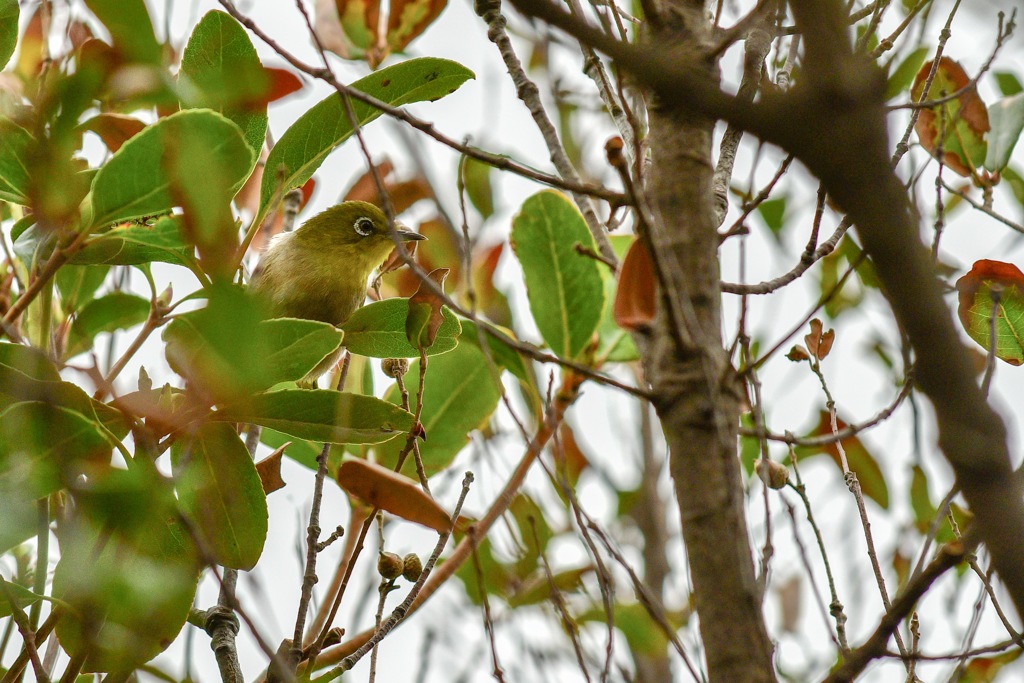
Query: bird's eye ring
(363, 226)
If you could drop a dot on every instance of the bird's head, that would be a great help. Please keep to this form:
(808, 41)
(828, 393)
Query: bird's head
(354, 226)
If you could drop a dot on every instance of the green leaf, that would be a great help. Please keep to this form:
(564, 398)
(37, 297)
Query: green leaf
(977, 308)
(229, 352)
(503, 355)
(538, 586)
(301, 451)
(132, 245)
(221, 62)
(131, 28)
(1008, 83)
(477, 177)
(615, 345)
(115, 311)
(564, 287)
(218, 348)
(78, 284)
(459, 395)
(1015, 181)
(128, 570)
(8, 30)
(920, 501)
(903, 76)
(378, 331)
(305, 145)
(41, 448)
(1007, 120)
(15, 143)
(643, 633)
(219, 490)
(203, 184)
(22, 596)
(29, 361)
(134, 183)
(295, 347)
(773, 212)
(17, 386)
(320, 415)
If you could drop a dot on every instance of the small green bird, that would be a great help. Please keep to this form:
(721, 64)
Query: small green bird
(320, 271)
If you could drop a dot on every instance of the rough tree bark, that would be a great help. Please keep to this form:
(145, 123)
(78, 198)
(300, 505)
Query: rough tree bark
(695, 388)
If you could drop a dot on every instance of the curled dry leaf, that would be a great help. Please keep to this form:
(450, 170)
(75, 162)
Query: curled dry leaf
(819, 343)
(798, 354)
(635, 299)
(269, 469)
(392, 493)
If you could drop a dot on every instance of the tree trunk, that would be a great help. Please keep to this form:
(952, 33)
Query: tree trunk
(697, 395)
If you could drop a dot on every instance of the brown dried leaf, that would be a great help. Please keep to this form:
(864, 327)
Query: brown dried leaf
(392, 493)
(798, 354)
(819, 343)
(269, 469)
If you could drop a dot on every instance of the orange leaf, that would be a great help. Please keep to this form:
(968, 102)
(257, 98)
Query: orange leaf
(392, 493)
(401, 193)
(440, 249)
(635, 299)
(364, 189)
(964, 118)
(575, 459)
(30, 54)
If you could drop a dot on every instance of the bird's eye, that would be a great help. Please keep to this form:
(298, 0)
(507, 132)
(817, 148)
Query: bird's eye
(363, 226)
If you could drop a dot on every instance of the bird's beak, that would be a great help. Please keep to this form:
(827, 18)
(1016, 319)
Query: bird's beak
(407, 235)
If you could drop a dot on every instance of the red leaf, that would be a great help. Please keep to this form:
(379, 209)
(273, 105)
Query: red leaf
(393, 493)
(635, 299)
(282, 84)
